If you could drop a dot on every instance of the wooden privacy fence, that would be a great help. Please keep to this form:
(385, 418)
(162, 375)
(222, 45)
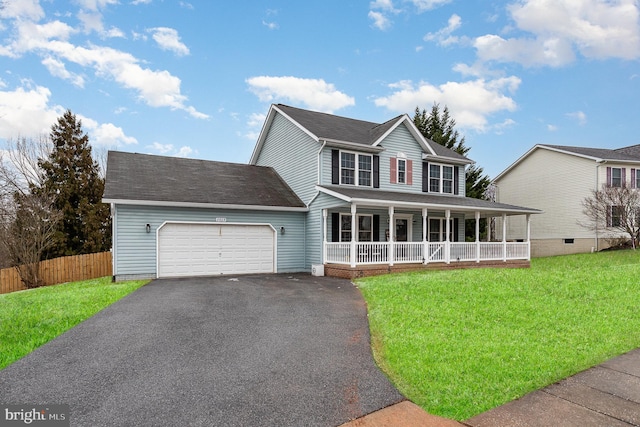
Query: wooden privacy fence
(61, 270)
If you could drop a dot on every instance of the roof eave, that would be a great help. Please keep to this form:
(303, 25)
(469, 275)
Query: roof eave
(204, 205)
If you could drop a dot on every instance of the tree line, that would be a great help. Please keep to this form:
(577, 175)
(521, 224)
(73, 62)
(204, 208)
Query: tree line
(50, 199)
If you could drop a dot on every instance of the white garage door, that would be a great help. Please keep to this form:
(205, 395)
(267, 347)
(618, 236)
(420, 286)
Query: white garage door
(210, 249)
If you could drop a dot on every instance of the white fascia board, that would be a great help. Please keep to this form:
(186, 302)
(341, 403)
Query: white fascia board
(334, 194)
(439, 206)
(265, 130)
(442, 159)
(205, 205)
(352, 146)
(263, 135)
(412, 129)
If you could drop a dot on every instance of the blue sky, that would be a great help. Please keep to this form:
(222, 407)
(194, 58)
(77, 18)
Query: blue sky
(196, 78)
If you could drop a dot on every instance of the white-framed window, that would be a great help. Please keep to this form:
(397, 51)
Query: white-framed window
(402, 171)
(356, 169)
(637, 178)
(364, 228)
(438, 230)
(441, 179)
(616, 177)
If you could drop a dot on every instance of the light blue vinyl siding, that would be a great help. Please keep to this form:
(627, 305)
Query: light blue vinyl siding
(399, 141)
(135, 249)
(293, 154)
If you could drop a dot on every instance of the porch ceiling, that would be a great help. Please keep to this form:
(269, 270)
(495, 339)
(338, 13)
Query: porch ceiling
(467, 205)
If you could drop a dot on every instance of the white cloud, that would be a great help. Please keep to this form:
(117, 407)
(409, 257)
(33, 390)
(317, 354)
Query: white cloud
(168, 39)
(50, 41)
(552, 128)
(380, 21)
(170, 150)
(58, 69)
(554, 30)
(470, 102)
(578, 116)
(23, 9)
(443, 36)
(105, 134)
(137, 2)
(424, 5)
(270, 25)
(25, 111)
(315, 94)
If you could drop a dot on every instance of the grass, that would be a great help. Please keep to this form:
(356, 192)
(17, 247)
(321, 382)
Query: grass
(31, 318)
(461, 342)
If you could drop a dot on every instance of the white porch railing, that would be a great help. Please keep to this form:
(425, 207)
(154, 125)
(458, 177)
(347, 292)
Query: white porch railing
(414, 252)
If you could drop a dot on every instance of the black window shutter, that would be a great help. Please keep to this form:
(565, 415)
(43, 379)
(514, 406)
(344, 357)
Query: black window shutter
(425, 177)
(376, 171)
(335, 227)
(456, 233)
(456, 180)
(335, 166)
(376, 228)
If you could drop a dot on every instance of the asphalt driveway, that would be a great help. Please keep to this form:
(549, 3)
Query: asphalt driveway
(275, 350)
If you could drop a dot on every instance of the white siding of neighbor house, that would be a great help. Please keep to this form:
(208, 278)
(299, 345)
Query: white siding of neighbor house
(555, 183)
(135, 249)
(293, 154)
(399, 141)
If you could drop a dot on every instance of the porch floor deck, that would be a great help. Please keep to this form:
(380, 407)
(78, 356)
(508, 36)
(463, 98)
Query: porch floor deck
(348, 272)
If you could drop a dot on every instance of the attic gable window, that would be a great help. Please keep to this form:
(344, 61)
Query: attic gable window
(356, 169)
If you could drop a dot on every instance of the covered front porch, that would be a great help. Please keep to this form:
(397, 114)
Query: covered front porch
(399, 233)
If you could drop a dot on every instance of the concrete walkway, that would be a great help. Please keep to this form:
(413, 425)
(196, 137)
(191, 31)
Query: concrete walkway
(605, 395)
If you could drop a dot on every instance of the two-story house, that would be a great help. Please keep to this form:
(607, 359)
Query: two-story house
(557, 179)
(320, 193)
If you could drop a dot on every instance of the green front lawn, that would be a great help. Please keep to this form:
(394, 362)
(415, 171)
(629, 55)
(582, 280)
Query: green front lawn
(33, 317)
(461, 342)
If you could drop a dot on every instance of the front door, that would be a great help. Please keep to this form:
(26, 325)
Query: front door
(402, 230)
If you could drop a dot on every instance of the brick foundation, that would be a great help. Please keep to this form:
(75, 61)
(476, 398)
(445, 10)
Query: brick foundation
(346, 272)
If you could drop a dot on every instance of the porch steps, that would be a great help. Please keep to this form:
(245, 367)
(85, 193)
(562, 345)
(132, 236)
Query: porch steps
(347, 272)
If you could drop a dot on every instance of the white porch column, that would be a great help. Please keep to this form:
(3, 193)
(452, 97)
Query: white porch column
(392, 235)
(324, 236)
(477, 236)
(425, 242)
(353, 235)
(529, 237)
(504, 237)
(447, 240)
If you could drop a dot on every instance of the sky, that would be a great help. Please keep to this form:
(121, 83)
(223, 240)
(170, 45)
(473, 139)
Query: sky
(196, 78)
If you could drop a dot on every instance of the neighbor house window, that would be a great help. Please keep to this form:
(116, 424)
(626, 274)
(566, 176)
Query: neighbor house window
(402, 171)
(616, 177)
(637, 178)
(355, 169)
(364, 228)
(441, 179)
(615, 219)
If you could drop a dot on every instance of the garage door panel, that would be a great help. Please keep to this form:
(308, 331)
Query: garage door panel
(210, 249)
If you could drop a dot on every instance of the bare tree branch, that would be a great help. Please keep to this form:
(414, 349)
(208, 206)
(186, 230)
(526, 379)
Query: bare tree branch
(615, 210)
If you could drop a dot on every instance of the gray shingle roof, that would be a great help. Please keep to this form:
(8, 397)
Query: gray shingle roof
(328, 126)
(467, 204)
(143, 177)
(622, 154)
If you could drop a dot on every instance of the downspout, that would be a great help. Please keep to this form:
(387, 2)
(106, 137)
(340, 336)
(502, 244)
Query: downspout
(598, 164)
(324, 143)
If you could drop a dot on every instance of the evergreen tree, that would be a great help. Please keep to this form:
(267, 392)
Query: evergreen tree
(72, 175)
(440, 128)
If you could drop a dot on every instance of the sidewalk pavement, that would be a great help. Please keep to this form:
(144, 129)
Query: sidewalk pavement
(605, 395)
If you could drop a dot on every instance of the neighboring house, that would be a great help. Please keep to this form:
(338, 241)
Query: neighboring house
(557, 179)
(321, 192)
